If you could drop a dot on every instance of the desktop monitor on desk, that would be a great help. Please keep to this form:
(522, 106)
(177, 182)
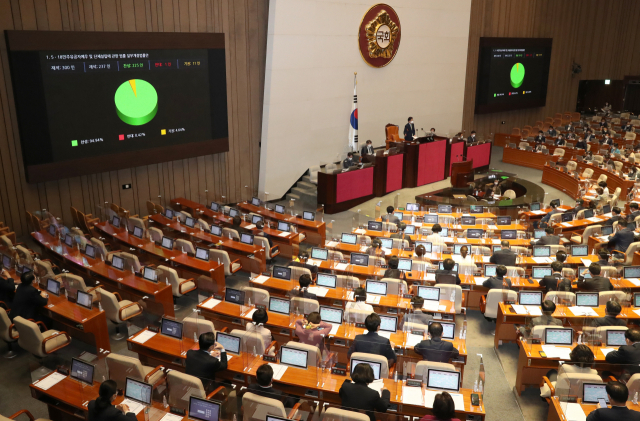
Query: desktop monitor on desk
(475, 233)
(256, 218)
(375, 287)
(409, 230)
(293, 357)
(566, 217)
(255, 201)
(117, 262)
(52, 230)
(188, 221)
(348, 238)
(279, 209)
(606, 230)
(68, 240)
(230, 343)
(279, 305)
(331, 314)
(359, 259)
(616, 338)
(167, 242)
(592, 392)
(84, 299)
(398, 215)
(430, 219)
(320, 254)
(587, 299)
(202, 254)
(530, 298)
(444, 208)
(539, 272)
(374, 226)
(204, 410)
(558, 336)
(490, 270)
(580, 251)
(115, 221)
(455, 267)
(150, 274)
(444, 232)
(89, 251)
(389, 323)
(53, 287)
(246, 239)
(81, 371)
(375, 366)
(443, 380)
(476, 209)
(138, 232)
(541, 251)
(508, 234)
(214, 207)
(171, 328)
(448, 329)
(233, 212)
(234, 296)
(539, 233)
(632, 272)
(216, 230)
(413, 207)
(308, 216)
(429, 293)
(468, 220)
(588, 213)
(405, 264)
(281, 272)
(284, 226)
(326, 280)
(503, 220)
(425, 244)
(606, 208)
(386, 243)
(138, 391)
(535, 206)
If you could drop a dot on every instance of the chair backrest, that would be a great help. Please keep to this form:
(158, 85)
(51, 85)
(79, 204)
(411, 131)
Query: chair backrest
(605, 296)
(304, 305)
(5, 323)
(223, 257)
(384, 363)
(494, 298)
(182, 216)
(592, 230)
(601, 331)
(447, 289)
(337, 414)
(256, 407)
(258, 296)
(297, 272)
(523, 145)
(130, 261)
(572, 165)
(197, 326)
(30, 337)
(6, 242)
(73, 283)
(633, 247)
(137, 222)
(110, 305)
(335, 255)
(561, 297)
(354, 315)
(170, 276)
(346, 281)
(394, 286)
(571, 383)
(314, 356)
(515, 271)
(185, 246)
(603, 177)
(24, 254)
(568, 273)
(618, 165)
(609, 272)
(538, 331)
(250, 340)
(633, 384)
(204, 225)
(446, 279)
(558, 152)
(182, 386)
(101, 249)
(423, 366)
(555, 219)
(155, 234)
(587, 173)
(121, 366)
(264, 243)
(230, 233)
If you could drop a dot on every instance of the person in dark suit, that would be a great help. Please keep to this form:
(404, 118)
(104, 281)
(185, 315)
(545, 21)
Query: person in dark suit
(606, 140)
(101, 409)
(236, 223)
(635, 212)
(540, 138)
(400, 233)
(366, 150)
(612, 309)
(305, 281)
(348, 161)
(569, 127)
(629, 353)
(448, 265)
(618, 395)
(560, 141)
(264, 387)
(261, 233)
(498, 281)
(628, 127)
(505, 256)
(579, 206)
(435, 349)
(357, 394)
(548, 239)
(623, 238)
(390, 217)
(409, 130)
(589, 136)
(472, 138)
(203, 363)
(551, 132)
(545, 219)
(548, 307)
(616, 211)
(28, 299)
(596, 282)
(581, 144)
(7, 288)
(550, 282)
(393, 271)
(371, 342)
(603, 258)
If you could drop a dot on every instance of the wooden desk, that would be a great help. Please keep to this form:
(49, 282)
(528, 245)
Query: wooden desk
(613, 181)
(503, 139)
(213, 279)
(561, 181)
(252, 257)
(527, 158)
(129, 286)
(556, 412)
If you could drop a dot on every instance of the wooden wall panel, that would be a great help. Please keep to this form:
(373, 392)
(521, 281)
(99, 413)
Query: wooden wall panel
(601, 35)
(244, 23)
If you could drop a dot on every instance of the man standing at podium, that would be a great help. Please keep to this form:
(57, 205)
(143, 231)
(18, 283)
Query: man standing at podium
(409, 131)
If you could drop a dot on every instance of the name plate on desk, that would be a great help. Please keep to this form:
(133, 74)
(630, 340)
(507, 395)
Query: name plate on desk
(178, 411)
(339, 371)
(409, 296)
(417, 332)
(218, 296)
(269, 358)
(536, 341)
(414, 383)
(360, 325)
(261, 306)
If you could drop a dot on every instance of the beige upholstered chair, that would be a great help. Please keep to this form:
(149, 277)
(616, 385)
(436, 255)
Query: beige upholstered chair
(538, 331)
(223, 257)
(73, 283)
(197, 326)
(346, 281)
(269, 252)
(571, 383)
(603, 177)
(515, 271)
(353, 315)
(365, 238)
(587, 173)
(121, 366)
(118, 310)
(230, 233)
(395, 285)
(590, 231)
(258, 296)
(256, 407)
(130, 261)
(337, 414)
(39, 343)
(31, 417)
(137, 222)
(179, 286)
(181, 387)
(605, 296)
(203, 225)
(384, 363)
(314, 356)
(182, 216)
(43, 269)
(185, 246)
(572, 165)
(155, 234)
(561, 297)
(633, 384)
(558, 152)
(489, 303)
(423, 366)
(633, 247)
(297, 272)
(101, 248)
(250, 340)
(8, 333)
(304, 305)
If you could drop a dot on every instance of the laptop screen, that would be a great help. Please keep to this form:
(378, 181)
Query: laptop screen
(632, 272)
(580, 251)
(567, 217)
(83, 299)
(331, 314)
(68, 240)
(359, 259)
(281, 272)
(404, 264)
(616, 338)
(283, 226)
(448, 329)
(115, 221)
(429, 293)
(246, 239)
(216, 230)
(325, 280)
(374, 226)
(444, 232)
(541, 251)
(455, 267)
(508, 234)
(539, 272)
(588, 213)
(320, 254)
(308, 216)
(171, 328)
(279, 305)
(503, 220)
(138, 391)
(6, 261)
(389, 323)
(558, 336)
(233, 212)
(234, 296)
(537, 234)
(229, 342)
(203, 410)
(607, 230)
(202, 254)
(378, 288)
(530, 298)
(606, 208)
(150, 274)
(445, 380)
(82, 371)
(475, 233)
(167, 243)
(587, 299)
(53, 286)
(375, 366)
(293, 357)
(168, 213)
(348, 238)
(490, 270)
(410, 230)
(591, 392)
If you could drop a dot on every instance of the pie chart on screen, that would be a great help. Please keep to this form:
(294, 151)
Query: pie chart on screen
(517, 75)
(136, 102)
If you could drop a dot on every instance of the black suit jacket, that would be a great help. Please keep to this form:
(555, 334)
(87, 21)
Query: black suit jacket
(550, 282)
(109, 414)
(372, 343)
(614, 218)
(608, 321)
(626, 354)
(448, 272)
(596, 283)
(581, 145)
(540, 139)
(471, 139)
(203, 365)
(365, 150)
(633, 215)
(393, 273)
(622, 239)
(552, 132)
(560, 142)
(495, 282)
(7, 290)
(547, 240)
(360, 396)
(409, 131)
(307, 294)
(436, 350)
(615, 413)
(347, 163)
(270, 392)
(504, 257)
(26, 302)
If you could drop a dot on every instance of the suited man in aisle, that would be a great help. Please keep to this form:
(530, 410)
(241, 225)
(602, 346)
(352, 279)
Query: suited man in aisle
(409, 130)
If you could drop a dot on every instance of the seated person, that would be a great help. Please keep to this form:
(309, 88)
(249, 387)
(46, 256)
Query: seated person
(601, 198)
(348, 161)
(618, 394)
(615, 211)
(371, 342)
(235, 225)
(366, 149)
(605, 189)
(312, 330)
(627, 354)
(551, 132)
(581, 144)
(612, 309)
(464, 253)
(443, 408)
(393, 271)
(305, 281)
(635, 212)
(27, 299)
(561, 256)
(259, 318)
(7, 287)
(633, 173)
(264, 386)
(435, 349)
(545, 219)
(550, 282)
(435, 239)
(400, 233)
(417, 315)
(548, 239)
(360, 295)
(419, 255)
(356, 393)
(579, 206)
(499, 280)
(210, 358)
(260, 232)
(596, 282)
(580, 360)
(603, 257)
(560, 141)
(505, 256)
(376, 248)
(622, 239)
(540, 138)
(390, 217)
(448, 265)
(101, 408)
(548, 308)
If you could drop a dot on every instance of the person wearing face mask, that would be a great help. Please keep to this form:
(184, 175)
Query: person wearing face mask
(409, 130)
(431, 135)
(607, 140)
(540, 138)
(496, 188)
(560, 141)
(589, 137)
(569, 127)
(552, 132)
(581, 144)
(366, 150)
(472, 138)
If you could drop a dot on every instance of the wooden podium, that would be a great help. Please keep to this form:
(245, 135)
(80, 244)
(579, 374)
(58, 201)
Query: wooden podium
(461, 173)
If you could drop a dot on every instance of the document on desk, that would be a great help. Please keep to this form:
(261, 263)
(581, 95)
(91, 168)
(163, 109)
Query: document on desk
(314, 262)
(412, 340)
(341, 266)
(486, 259)
(430, 395)
(637, 312)
(334, 329)
(542, 260)
(385, 334)
(582, 311)
(331, 243)
(430, 305)
(539, 212)
(144, 336)
(574, 412)
(605, 351)
(260, 280)
(51, 380)
(319, 291)
(359, 231)
(533, 310)
(431, 276)
(250, 227)
(461, 240)
(278, 370)
(212, 302)
(593, 219)
(479, 280)
(560, 352)
(377, 385)
(519, 309)
(492, 227)
(373, 299)
(566, 224)
(496, 242)
(172, 417)
(134, 406)
(634, 281)
(283, 234)
(586, 262)
(412, 395)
